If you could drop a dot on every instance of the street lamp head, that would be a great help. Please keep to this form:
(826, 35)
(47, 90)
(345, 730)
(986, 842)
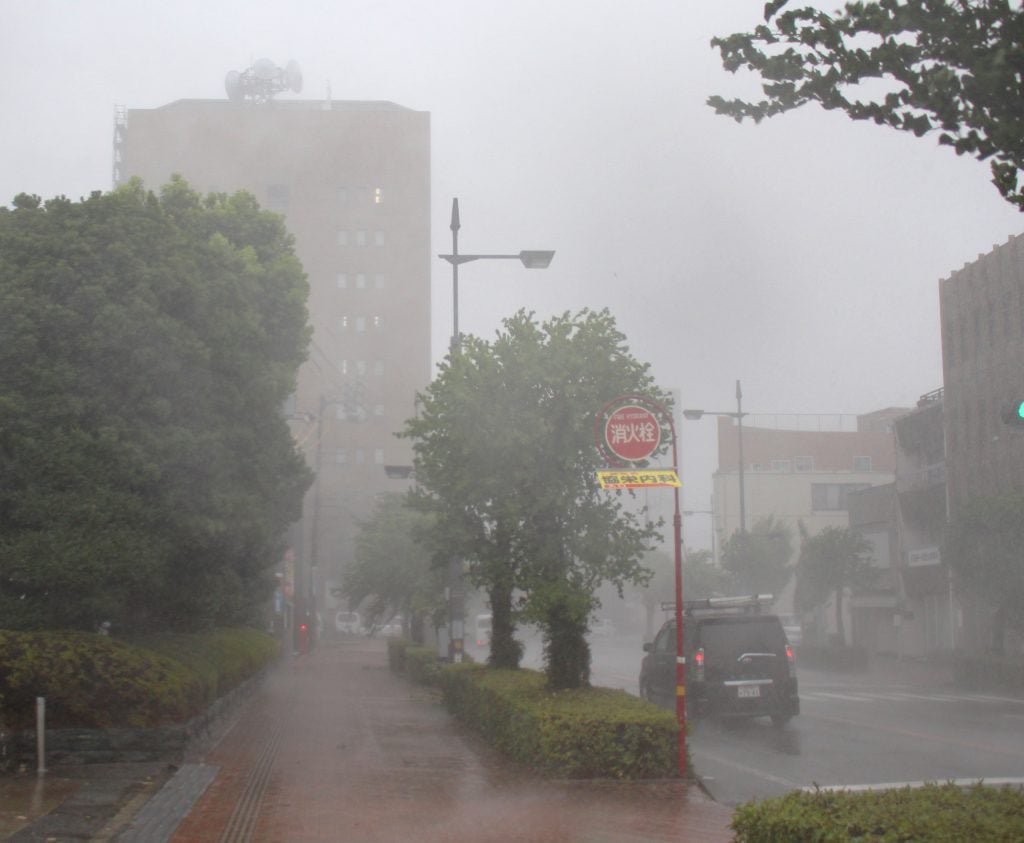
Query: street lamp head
(693, 415)
(536, 260)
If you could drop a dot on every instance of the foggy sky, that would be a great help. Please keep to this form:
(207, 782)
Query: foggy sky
(802, 256)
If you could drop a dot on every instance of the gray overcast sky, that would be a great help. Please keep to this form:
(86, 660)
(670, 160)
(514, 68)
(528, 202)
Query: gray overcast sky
(801, 256)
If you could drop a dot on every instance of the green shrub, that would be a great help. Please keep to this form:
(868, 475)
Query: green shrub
(588, 733)
(94, 681)
(933, 813)
(223, 658)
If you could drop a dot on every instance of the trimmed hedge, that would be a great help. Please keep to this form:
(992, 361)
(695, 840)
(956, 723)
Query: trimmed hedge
(933, 813)
(94, 681)
(589, 733)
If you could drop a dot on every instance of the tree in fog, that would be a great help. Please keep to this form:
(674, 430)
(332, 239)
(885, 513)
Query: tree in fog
(391, 571)
(505, 457)
(919, 66)
(759, 558)
(148, 343)
(702, 578)
(832, 561)
(983, 543)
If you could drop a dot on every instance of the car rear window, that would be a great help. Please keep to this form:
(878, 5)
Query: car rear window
(731, 637)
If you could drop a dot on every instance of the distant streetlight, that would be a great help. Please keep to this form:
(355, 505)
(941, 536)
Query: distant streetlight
(696, 415)
(530, 260)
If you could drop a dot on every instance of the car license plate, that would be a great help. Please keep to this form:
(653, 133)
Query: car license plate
(748, 691)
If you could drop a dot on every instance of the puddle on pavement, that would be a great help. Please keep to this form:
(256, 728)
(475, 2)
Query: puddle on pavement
(26, 797)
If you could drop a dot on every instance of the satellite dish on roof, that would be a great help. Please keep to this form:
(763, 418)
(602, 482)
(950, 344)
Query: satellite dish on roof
(293, 76)
(233, 86)
(265, 69)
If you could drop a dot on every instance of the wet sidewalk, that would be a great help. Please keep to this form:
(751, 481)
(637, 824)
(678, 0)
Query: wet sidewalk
(335, 747)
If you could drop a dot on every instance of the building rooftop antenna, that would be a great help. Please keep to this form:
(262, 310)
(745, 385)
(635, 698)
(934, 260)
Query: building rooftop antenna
(259, 83)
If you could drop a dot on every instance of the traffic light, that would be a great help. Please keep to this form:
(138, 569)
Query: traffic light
(1013, 413)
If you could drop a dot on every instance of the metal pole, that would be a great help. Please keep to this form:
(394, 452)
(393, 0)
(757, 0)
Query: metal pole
(40, 735)
(739, 429)
(455, 596)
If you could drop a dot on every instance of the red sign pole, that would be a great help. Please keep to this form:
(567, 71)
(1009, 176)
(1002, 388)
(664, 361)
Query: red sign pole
(626, 437)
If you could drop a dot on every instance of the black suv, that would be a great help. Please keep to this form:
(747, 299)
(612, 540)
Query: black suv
(738, 661)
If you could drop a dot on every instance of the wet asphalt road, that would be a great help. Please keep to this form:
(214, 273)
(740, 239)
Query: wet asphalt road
(854, 729)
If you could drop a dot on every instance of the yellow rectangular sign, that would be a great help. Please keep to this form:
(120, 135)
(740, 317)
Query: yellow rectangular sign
(628, 479)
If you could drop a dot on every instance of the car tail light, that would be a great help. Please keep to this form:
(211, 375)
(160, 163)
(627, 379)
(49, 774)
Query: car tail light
(698, 663)
(791, 659)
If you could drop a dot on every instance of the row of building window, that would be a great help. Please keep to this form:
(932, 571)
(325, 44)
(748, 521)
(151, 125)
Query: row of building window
(360, 281)
(358, 456)
(361, 237)
(279, 197)
(357, 412)
(360, 323)
(805, 464)
(832, 497)
(361, 367)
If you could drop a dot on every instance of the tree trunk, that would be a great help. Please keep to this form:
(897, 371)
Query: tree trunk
(840, 626)
(566, 652)
(505, 650)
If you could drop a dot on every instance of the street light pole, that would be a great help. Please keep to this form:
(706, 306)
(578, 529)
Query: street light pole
(530, 260)
(694, 415)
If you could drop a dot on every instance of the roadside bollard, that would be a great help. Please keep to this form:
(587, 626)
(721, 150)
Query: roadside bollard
(40, 735)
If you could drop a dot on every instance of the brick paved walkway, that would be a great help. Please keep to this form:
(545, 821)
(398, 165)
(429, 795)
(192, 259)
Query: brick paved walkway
(336, 748)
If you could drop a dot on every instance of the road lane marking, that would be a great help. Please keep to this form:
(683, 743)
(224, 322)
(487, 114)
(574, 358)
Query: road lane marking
(753, 771)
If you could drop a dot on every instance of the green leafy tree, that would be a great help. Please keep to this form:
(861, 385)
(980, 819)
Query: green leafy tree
(832, 561)
(148, 342)
(759, 559)
(702, 578)
(505, 457)
(391, 571)
(947, 67)
(983, 543)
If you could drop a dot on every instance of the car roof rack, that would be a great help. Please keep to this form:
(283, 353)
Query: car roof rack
(752, 603)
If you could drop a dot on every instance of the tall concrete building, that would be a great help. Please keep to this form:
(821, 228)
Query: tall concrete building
(352, 180)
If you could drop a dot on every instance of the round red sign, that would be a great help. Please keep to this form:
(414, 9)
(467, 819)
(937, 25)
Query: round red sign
(632, 433)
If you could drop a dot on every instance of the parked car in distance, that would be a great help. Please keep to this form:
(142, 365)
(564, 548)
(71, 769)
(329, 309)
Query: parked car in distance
(738, 662)
(348, 623)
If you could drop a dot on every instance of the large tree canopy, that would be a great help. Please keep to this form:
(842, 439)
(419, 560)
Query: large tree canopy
(832, 561)
(505, 456)
(147, 346)
(392, 571)
(951, 67)
(759, 558)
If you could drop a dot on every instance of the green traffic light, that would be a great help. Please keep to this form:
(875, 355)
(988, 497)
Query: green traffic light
(1020, 410)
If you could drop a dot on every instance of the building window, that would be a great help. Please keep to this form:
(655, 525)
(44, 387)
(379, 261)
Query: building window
(378, 321)
(342, 195)
(378, 410)
(378, 367)
(360, 324)
(343, 367)
(862, 463)
(831, 497)
(378, 238)
(360, 238)
(378, 456)
(360, 456)
(360, 281)
(803, 463)
(360, 367)
(342, 238)
(340, 456)
(277, 197)
(782, 465)
(378, 196)
(378, 281)
(341, 279)
(342, 323)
